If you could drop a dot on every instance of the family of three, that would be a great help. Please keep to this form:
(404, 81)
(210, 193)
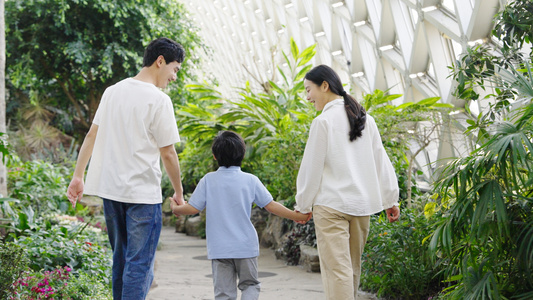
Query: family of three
(345, 176)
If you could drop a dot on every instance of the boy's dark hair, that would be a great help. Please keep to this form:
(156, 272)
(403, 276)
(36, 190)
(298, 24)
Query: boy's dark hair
(170, 50)
(229, 149)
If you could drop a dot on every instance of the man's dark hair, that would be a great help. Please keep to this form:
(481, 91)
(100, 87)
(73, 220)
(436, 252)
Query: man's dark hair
(170, 50)
(229, 149)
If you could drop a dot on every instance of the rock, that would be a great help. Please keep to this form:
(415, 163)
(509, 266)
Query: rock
(274, 234)
(193, 226)
(180, 224)
(309, 259)
(167, 217)
(167, 220)
(259, 218)
(165, 207)
(94, 203)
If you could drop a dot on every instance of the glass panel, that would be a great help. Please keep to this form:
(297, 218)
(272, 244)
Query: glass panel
(414, 16)
(457, 49)
(449, 6)
(431, 71)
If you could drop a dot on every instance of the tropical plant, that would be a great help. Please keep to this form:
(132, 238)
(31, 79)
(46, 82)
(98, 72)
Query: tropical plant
(274, 125)
(395, 262)
(487, 236)
(35, 134)
(485, 239)
(406, 130)
(514, 26)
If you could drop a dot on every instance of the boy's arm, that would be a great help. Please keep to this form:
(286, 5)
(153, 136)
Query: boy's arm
(185, 209)
(75, 188)
(280, 210)
(172, 166)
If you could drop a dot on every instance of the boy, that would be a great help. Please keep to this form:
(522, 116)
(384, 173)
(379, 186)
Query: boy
(132, 129)
(232, 242)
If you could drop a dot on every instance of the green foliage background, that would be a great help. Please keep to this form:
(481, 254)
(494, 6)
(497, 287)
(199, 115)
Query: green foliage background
(67, 52)
(273, 123)
(485, 239)
(472, 240)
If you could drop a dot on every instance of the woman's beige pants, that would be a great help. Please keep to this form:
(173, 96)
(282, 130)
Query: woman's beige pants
(341, 239)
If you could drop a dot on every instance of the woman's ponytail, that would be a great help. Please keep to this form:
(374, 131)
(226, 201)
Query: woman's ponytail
(356, 116)
(355, 111)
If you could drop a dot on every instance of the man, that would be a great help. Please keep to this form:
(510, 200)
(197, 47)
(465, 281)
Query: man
(133, 128)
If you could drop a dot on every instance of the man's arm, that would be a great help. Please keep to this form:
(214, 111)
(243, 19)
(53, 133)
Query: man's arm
(172, 166)
(75, 188)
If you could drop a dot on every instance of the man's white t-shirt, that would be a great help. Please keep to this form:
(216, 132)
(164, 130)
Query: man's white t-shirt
(134, 120)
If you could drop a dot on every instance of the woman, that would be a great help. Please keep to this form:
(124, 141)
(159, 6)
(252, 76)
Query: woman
(345, 176)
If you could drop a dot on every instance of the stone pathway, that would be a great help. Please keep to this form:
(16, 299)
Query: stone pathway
(182, 271)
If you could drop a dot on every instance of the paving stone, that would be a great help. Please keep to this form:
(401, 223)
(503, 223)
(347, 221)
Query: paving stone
(183, 272)
(309, 259)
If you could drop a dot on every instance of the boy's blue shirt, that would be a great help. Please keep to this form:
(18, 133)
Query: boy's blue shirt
(228, 195)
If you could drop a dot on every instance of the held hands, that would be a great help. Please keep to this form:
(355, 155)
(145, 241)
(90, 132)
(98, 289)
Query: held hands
(303, 218)
(179, 199)
(175, 201)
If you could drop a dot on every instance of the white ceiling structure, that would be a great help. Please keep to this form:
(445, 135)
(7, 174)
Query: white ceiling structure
(404, 46)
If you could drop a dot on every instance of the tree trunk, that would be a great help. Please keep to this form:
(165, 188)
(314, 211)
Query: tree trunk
(410, 173)
(3, 170)
(409, 184)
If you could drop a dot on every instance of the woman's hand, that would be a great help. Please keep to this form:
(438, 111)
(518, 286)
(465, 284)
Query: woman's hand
(393, 213)
(309, 215)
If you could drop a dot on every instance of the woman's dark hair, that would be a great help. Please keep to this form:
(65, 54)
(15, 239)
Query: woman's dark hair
(170, 50)
(355, 111)
(229, 149)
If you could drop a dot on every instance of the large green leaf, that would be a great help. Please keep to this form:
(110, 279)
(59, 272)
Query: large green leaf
(294, 50)
(428, 101)
(306, 55)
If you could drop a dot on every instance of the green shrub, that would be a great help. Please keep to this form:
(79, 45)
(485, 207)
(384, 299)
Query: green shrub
(61, 240)
(53, 245)
(86, 287)
(59, 283)
(195, 163)
(67, 256)
(279, 162)
(12, 263)
(396, 263)
(39, 184)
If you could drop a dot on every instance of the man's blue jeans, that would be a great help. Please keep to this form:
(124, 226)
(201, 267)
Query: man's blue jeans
(133, 231)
